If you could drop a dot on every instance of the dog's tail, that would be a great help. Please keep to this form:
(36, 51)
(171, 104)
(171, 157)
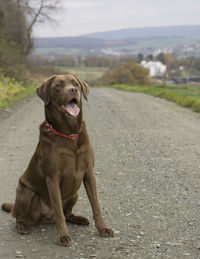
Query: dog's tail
(7, 207)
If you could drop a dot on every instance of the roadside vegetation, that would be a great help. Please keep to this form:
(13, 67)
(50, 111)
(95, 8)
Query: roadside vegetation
(17, 20)
(132, 77)
(12, 91)
(186, 96)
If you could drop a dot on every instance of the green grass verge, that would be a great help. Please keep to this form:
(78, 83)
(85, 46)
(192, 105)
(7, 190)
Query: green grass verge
(186, 96)
(11, 91)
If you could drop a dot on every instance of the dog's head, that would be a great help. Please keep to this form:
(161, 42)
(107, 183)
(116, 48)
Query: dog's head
(64, 92)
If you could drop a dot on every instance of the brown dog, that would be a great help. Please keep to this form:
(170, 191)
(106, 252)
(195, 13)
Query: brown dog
(64, 158)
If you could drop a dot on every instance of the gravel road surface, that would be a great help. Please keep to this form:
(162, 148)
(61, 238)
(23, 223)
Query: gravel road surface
(148, 174)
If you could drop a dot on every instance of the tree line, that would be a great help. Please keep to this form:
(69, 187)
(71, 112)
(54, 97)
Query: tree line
(17, 20)
(175, 66)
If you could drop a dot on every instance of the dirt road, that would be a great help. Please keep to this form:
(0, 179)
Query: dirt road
(148, 173)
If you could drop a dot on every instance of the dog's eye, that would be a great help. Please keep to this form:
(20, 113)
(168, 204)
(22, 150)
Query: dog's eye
(57, 87)
(75, 83)
(59, 84)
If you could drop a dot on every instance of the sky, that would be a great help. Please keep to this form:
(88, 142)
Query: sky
(80, 17)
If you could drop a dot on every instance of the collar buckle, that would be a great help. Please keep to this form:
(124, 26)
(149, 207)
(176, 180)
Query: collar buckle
(49, 127)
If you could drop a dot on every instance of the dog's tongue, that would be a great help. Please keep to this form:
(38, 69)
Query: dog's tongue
(72, 109)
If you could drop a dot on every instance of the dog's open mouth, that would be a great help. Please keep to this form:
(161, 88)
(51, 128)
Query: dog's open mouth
(72, 107)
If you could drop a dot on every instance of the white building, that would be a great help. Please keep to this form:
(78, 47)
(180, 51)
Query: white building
(156, 68)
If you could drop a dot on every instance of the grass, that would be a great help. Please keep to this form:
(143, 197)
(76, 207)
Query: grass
(89, 74)
(186, 96)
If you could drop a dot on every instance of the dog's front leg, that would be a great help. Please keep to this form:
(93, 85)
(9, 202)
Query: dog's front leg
(63, 237)
(91, 189)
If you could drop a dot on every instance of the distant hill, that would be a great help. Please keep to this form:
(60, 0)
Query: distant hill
(182, 40)
(182, 31)
(69, 42)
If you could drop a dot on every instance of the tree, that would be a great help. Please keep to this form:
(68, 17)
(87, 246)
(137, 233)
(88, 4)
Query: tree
(38, 11)
(150, 57)
(140, 57)
(128, 73)
(13, 24)
(168, 59)
(18, 17)
(161, 57)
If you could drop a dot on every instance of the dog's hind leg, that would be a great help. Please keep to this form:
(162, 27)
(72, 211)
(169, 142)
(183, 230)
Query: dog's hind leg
(70, 217)
(26, 209)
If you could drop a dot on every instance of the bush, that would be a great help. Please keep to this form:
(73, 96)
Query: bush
(128, 73)
(9, 88)
(12, 91)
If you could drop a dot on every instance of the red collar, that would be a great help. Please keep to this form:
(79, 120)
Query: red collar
(72, 136)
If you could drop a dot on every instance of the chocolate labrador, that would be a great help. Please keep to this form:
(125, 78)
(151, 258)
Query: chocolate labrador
(48, 189)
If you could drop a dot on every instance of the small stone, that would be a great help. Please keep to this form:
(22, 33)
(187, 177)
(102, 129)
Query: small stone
(117, 232)
(157, 245)
(92, 256)
(19, 256)
(142, 233)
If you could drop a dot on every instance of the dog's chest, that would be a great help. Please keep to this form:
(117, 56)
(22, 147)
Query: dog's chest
(72, 168)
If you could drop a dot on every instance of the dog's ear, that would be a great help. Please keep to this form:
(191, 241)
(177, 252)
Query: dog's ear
(85, 89)
(43, 90)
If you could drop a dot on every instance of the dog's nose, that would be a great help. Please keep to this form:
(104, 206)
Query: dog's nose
(73, 90)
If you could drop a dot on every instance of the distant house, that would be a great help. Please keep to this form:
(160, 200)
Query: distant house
(156, 68)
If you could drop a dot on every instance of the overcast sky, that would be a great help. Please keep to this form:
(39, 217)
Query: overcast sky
(86, 16)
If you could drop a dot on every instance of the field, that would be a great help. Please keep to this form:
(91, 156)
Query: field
(58, 51)
(89, 74)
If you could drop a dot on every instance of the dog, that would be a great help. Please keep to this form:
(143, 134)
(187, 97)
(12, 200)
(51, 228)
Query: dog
(63, 159)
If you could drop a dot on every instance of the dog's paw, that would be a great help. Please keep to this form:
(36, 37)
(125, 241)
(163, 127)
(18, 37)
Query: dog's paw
(64, 240)
(78, 220)
(23, 229)
(106, 232)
